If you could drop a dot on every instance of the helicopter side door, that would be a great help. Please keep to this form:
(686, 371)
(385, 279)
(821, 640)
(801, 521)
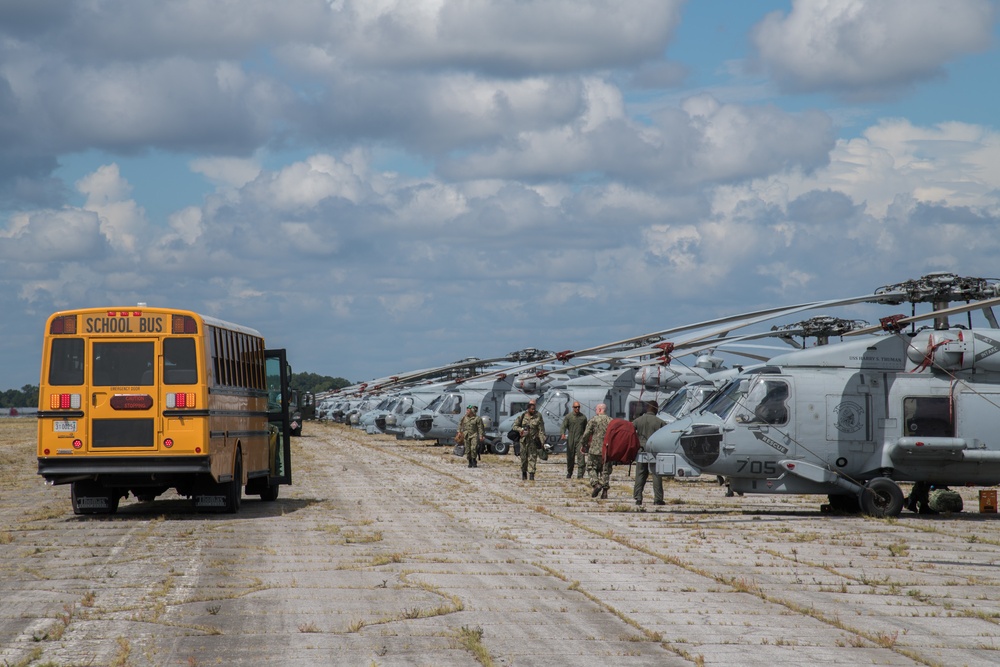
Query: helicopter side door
(851, 418)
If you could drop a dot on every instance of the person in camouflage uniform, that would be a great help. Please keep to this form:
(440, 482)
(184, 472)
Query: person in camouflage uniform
(572, 428)
(598, 469)
(482, 449)
(645, 426)
(532, 428)
(471, 428)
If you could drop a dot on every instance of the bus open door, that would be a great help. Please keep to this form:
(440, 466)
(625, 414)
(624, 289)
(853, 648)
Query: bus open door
(278, 375)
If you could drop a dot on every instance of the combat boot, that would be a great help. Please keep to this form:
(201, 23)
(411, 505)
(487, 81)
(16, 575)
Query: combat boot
(524, 474)
(594, 493)
(604, 494)
(531, 476)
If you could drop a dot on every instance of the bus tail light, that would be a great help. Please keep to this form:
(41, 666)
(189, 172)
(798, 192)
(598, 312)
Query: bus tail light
(77, 443)
(181, 400)
(183, 324)
(64, 401)
(65, 324)
(168, 442)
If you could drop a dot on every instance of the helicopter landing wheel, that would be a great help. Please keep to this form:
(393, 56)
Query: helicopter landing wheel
(881, 498)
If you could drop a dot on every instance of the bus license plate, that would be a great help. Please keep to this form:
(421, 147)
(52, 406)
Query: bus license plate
(68, 426)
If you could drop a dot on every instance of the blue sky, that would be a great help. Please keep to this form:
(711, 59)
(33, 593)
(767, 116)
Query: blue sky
(386, 185)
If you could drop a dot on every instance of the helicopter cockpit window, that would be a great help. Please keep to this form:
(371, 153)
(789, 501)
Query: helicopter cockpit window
(557, 404)
(766, 403)
(404, 407)
(451, 405)
(518, 407)
(636, 409)
(928, 416)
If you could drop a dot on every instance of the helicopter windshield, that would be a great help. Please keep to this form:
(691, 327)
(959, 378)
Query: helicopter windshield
(405, 406)
(728, 397)
(676, 402)
(432, 406)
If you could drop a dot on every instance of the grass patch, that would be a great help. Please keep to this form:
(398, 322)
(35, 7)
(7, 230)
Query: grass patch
(471, 639)
(360, 537)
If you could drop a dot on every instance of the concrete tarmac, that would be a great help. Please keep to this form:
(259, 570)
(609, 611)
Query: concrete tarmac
(388, 552)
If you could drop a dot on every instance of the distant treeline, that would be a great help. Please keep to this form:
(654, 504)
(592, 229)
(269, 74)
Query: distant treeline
(317, 383)
(27, 396)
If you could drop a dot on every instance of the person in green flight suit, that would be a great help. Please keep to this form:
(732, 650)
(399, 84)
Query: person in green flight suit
(572, 428)
(645, 426)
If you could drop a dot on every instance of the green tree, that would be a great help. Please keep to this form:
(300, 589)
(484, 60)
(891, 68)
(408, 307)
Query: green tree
(311, 382)
(25, 397)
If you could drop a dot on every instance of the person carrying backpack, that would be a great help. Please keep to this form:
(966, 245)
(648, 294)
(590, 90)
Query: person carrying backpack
(598, 470)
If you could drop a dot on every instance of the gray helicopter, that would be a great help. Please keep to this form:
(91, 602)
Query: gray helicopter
(851, 420)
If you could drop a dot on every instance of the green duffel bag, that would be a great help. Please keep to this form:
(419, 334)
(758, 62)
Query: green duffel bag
(945, 500)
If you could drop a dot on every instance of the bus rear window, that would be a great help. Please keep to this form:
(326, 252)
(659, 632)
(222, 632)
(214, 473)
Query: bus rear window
(180, 365)
(66, 362)
(123, 364)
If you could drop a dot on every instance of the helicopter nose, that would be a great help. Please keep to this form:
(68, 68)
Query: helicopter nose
(662, 441)
(424, 424)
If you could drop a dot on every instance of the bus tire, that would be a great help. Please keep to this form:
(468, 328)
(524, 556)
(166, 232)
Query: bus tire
(90, 489)
(881, 498)
(234, 489)
(269, 494)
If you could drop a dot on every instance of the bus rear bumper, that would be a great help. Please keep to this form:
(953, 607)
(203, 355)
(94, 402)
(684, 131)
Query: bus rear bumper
(123, 470)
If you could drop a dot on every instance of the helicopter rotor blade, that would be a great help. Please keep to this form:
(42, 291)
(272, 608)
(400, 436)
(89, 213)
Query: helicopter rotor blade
(934, 314)
(990, 317)
(729, 322)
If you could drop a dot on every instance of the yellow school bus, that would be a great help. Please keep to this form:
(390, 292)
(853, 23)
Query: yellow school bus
(142, 400)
